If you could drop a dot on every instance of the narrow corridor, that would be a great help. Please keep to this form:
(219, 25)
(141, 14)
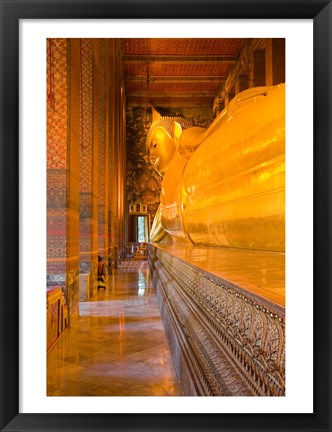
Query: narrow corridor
(118, 346)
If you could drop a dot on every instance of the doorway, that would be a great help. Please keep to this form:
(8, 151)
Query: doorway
(139, 228)
(138, 232)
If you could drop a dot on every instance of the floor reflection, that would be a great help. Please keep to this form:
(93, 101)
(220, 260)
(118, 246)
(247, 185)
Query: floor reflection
(118, 347)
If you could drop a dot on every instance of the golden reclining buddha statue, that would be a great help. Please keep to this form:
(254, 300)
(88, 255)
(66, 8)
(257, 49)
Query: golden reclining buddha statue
(225, 185)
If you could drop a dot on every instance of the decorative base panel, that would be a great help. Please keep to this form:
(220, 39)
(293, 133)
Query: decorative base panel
(57, 315)
(225, 340)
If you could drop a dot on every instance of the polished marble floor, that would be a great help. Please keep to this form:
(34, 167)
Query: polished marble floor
(118, 346)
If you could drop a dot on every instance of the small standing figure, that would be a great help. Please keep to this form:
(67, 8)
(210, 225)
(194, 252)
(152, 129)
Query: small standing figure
(101, 273)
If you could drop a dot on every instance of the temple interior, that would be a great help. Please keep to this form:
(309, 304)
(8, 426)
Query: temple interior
(165, 217)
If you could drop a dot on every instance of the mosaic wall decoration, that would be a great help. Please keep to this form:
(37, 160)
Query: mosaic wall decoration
(85, 160)
(56, 103)
(56, 188)
(101, 119)
(100, 110)
(86, 131)
(57, 133)
(73, 183)
(143, 183)
(88, 168)
(63, 103)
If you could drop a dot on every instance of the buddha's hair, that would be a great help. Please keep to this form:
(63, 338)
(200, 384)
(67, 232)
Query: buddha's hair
(168, 123)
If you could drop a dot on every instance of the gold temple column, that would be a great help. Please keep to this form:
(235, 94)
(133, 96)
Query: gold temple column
(268, 62)
(278, 59)
(110, 132)
(121, 153)
(108, 141)
(100, 137)
(117, 180)
(251, 69)
(113, 155)
(124, 171)
(259, 68)
(275, 61)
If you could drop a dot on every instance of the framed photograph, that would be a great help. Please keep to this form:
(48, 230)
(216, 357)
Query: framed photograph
(24, 404)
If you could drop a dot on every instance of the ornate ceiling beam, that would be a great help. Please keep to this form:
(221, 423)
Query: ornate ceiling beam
(169, 103)
(151, 94)
(178, 59)
(170, 79)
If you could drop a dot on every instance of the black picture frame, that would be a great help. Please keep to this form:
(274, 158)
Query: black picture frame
(14, 10)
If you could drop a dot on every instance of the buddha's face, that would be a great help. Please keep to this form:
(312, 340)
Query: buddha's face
(161, 149)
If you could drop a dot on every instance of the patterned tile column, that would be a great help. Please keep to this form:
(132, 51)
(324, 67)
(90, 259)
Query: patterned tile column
(88, 169)
(56, 160)
(63, 135)
(100, 136)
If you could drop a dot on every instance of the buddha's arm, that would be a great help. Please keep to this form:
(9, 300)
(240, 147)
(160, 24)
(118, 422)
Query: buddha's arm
(157, 233)
(190, 139)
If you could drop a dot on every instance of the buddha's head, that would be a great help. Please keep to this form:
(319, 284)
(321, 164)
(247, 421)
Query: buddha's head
(162, 140)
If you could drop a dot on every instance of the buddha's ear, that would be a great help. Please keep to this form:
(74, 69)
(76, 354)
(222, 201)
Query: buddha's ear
(155, 115)
(177, 131)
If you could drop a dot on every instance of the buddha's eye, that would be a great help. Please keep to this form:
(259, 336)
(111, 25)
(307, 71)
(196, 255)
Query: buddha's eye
(154, 145)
